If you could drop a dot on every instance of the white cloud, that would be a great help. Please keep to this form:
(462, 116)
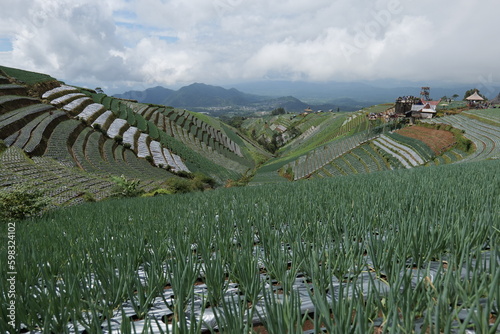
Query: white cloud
(122, 42)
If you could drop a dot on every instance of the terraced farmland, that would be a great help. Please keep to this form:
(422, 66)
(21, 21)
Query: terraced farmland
(486, 137)
(359, 253)
(438, 140)
(395, 237)
(94, 132)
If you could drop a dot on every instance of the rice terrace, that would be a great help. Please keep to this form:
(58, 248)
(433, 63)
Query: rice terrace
(127, 217)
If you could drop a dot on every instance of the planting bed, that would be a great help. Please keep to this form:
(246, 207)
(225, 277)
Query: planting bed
(437, 140)
(387, 252)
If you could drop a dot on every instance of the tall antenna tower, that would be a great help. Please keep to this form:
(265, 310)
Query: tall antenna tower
(424, 93)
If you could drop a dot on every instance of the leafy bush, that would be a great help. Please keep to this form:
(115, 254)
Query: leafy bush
(158, 192)
(21, 202)
(88, 197)
(183, 173)
(125, 187)
(205, 179)
(179, 186)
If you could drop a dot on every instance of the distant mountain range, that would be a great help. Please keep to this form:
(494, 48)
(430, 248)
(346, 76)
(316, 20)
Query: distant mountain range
(197, 95)
(293, 96)
(202, 97)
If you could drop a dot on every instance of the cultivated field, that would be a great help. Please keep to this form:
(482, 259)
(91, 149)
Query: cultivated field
(389, 228)
(400, 251)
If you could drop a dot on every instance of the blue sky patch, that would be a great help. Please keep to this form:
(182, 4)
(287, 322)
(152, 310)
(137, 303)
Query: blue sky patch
(169, 39)
(5, 44)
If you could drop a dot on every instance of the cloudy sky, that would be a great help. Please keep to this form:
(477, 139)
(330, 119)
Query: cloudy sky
(125, 44)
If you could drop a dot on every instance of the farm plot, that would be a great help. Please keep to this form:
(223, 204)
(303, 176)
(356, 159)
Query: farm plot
(355, 254)
(486, 137)
(489, 114)
(62, 183)
(308, 164)
(437, 140)
(405, 154)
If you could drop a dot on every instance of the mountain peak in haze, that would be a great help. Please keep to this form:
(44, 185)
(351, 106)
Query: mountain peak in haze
(192, 96)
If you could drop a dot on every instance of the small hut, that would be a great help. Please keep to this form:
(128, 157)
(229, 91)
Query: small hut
(474, 99)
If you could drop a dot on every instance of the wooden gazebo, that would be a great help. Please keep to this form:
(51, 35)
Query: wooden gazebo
(473, 99)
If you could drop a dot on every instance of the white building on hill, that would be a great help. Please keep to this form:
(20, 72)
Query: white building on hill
(427, 109)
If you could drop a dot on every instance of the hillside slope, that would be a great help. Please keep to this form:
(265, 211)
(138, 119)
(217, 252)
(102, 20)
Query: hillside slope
(338, 144)
(103, 136)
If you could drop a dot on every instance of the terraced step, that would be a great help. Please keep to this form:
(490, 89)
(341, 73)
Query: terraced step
(143, 166)
(407, 152)
(131, 136)
(78, 151)
(65, 99)
(157, 154)
(25, 131)
(64, 185)
(60, 141)
(58, 91)
(104, 120)
(117, 128)
(12, 102)
(13, 121)
(382, 145)
(143, 146)
(91, 112)
(12, 89)
(180, 164)
(77, 106)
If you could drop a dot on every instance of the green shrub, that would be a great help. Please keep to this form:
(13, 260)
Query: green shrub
(125, 187)
(118, 138)
(21, 202)
(158, 192)
(179, 186)
(183, 173)
(205, 179)
(88, 197)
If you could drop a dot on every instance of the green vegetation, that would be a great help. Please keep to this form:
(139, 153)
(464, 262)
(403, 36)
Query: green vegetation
(27, 77)
(422, 263)
(488, 116)
(462, 142)
(125, 187)
(278, 111)
(410, 250)
(21, 201)
(472, 91)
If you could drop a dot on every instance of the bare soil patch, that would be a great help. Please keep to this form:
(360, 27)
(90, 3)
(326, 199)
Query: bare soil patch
(438, 140)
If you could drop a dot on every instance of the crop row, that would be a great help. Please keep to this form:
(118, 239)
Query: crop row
(81, 107)
(485, 137)
(382, 252)
(65, 185)
(318, 158)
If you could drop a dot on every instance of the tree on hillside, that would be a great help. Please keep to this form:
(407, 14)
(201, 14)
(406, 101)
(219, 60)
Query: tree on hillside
(278, 111)
(455, 96)
(471, 91)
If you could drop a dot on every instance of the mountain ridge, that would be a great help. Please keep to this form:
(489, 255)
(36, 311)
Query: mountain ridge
(204, 97)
